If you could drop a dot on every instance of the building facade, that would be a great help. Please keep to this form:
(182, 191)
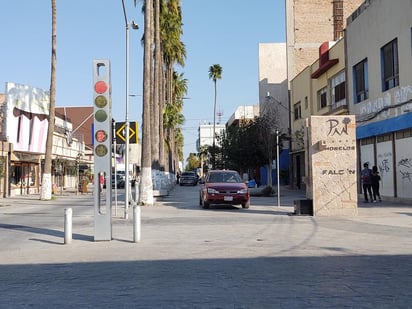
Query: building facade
(319, 89)
(24, 112)
(379, 48)
(310, 23)
(206, 135)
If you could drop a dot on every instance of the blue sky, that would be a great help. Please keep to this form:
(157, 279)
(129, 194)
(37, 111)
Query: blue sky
(225, 32)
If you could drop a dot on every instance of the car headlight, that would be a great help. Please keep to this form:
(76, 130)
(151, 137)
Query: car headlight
(242, 191)
(212, 191)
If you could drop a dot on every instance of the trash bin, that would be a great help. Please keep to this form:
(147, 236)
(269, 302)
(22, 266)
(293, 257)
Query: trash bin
(303, 207)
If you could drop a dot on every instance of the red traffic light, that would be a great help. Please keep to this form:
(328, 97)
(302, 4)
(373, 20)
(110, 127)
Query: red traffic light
(100, 87)
(101, 136)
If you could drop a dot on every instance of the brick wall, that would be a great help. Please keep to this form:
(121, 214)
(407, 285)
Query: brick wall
(313, 25)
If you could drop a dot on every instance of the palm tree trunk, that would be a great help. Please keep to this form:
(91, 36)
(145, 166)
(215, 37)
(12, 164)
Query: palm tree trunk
(162, 156)
(46, 188)
(156, 87)
(146, 185)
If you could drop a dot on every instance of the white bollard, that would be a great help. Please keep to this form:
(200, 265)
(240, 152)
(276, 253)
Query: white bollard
(68, 225)
(136, 223)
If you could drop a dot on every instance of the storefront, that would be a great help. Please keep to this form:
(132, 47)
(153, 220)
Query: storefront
(24, 174)
(386, 144)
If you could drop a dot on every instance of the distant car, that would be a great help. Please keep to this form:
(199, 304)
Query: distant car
(188, 178)
(120, 181)
(224, 187)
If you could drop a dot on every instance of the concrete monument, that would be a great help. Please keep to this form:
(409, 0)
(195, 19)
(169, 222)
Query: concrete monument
(331, 165)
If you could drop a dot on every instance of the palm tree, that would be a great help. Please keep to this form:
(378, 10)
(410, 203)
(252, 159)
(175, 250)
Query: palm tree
(174, 52)
(215, 73)
(46, 188)
(173, 119)
(157, 68)
(146, 185)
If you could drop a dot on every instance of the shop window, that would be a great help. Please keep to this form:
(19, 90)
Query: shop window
(367, 141)
(384, 138)
(404, 134)
(23, 174)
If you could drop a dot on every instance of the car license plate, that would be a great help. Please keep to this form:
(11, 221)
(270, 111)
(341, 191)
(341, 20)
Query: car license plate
(228, 198)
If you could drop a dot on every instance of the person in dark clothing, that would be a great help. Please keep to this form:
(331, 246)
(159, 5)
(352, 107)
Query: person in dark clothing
(375, 178)
(366, 178)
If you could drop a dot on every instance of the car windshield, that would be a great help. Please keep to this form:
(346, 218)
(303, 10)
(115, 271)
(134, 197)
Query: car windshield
(188, 174)
(224, 177)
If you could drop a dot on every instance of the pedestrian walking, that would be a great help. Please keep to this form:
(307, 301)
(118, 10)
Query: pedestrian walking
(366, 179)
(375, 178)
(101, 182)
(85, 182)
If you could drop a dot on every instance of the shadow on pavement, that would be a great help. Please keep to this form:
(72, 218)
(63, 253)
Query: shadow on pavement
(278, 282)
(43, 231)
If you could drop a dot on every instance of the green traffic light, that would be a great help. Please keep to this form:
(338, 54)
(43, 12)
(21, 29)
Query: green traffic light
(100, 115)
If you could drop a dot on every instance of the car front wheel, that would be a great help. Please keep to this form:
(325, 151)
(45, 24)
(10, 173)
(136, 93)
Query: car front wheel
(246, 205)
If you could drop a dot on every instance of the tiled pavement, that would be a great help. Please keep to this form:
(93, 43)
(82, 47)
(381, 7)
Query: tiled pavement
(194, 258)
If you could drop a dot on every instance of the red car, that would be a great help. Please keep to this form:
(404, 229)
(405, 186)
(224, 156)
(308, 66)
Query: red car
(224, 187)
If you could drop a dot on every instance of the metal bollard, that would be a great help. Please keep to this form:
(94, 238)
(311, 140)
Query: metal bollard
(136, 223)
(68, 225)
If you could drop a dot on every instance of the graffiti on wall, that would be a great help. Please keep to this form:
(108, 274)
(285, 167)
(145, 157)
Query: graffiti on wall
(384, 163)
(405, 168)
(385, 105)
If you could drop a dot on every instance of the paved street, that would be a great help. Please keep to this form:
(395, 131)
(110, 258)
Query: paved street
(189, 257)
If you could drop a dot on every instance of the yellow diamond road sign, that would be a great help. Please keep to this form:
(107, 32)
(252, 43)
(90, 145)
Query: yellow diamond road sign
(120, 130)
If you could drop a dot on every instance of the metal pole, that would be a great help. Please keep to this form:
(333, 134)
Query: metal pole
(126, 156)
(277, 165)
(115, 176)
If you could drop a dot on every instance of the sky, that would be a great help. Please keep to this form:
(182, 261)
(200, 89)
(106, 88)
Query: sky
(224, 32)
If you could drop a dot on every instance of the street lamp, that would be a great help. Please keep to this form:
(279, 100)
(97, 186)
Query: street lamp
(277, 165)
(127, 125)
(269, 97)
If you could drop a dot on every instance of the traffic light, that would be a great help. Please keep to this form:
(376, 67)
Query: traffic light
(102, 147)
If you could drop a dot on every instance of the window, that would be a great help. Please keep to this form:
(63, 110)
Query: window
(306, 103)
(384, 138)
(360, 81)
(322, 100)
(297, 111)
(390, 65)
(404, 134)
(24, 174)
(338, 90)
(367, 141)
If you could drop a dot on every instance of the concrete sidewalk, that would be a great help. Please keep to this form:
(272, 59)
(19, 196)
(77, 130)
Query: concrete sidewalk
(194, 258)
